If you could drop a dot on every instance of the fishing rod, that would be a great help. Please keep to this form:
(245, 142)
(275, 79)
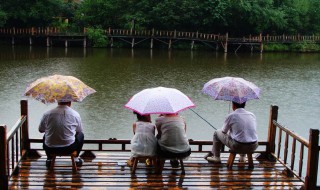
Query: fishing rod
(202, 118)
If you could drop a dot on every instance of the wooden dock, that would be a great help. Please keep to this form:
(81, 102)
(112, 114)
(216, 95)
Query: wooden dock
(103, 172)
(51, 36)
(284, 161)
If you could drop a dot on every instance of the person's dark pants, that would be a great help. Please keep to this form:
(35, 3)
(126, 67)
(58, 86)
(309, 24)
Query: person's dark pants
(77, 145)
(171, 155)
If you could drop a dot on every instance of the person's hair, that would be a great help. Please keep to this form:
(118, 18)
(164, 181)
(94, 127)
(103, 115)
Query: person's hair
(141, 117)
(64, 103)
(237, 105)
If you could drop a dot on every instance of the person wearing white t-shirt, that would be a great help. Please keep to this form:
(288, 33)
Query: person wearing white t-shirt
(239, 133)
(62, 128)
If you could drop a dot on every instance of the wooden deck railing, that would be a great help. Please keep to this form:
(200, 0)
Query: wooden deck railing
(13, 146)
(281, 150)
(16, 144)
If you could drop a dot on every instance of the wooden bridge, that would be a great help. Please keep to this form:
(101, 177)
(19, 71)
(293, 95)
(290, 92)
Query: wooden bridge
(280, 163)
(52, 36)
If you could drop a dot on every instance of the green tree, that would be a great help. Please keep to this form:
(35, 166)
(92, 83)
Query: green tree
(106, 14)
(313, 13)
(3, 18)
(31, 13)
(254, 17)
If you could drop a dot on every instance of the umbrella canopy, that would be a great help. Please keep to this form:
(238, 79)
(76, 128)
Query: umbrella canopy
(159, 100)
(57, 88)
(231, 89)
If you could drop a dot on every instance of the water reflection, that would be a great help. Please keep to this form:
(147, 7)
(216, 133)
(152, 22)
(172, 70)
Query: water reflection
(289, 80)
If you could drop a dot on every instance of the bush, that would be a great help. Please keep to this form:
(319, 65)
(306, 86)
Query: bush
(304, 47)
(97, 36)
(276, 47)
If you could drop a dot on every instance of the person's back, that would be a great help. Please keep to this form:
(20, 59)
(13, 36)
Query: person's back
(242, 126)
(173, 135)
(144, 142)
(62, 130)
(60, 126)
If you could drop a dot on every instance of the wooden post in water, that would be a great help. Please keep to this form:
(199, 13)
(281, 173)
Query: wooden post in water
(30, 41)
(152, 36)
(132, 43)
(313, 159)
(226, 44)
(13, 34)
(3, 158)
(261, 43)
(48, 41)
(84, 42)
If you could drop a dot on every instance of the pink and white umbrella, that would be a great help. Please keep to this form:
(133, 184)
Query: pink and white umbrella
(159, 100)
(231, 89)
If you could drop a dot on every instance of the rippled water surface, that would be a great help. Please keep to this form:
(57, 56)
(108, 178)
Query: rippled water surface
(291, 81)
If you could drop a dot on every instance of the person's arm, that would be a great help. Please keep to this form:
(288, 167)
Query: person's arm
(158, 126)
(226, 126)
(43, 124)
(134, 126)
(79, 127)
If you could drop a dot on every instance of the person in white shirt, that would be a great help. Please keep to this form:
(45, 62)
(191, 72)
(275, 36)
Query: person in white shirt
(62, 128)
(239, 133)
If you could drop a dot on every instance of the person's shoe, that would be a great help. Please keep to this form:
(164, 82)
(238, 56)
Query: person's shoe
(148, 162)
(214, 159)
(129, 163)
(48, 163)
(242, 159)
(209, 154)
(174, 163)
(79, 162)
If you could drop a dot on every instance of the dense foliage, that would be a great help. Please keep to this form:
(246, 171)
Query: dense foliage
(238, 17)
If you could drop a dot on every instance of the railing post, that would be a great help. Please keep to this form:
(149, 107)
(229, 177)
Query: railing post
(25, 126)
(3, 158)
(270, 148)
(272, 129)
(313, 159)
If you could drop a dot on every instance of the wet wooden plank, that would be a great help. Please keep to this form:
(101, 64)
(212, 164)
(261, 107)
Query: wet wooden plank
(103, 172)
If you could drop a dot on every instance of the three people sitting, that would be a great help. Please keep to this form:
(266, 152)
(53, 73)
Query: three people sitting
(63, 133)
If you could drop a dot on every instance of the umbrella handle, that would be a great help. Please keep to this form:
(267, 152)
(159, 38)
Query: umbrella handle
(202, 118)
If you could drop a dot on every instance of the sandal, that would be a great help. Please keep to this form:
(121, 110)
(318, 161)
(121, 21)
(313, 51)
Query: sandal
(129, 163)
(148, 162)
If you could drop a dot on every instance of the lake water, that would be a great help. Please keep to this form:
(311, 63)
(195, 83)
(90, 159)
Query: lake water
(289, 80)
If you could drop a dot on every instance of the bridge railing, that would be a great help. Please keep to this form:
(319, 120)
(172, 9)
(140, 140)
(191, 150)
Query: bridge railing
(30, 31)
(33, 31)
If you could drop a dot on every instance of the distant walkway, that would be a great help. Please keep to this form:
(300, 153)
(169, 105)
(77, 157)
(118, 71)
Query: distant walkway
(51, 36)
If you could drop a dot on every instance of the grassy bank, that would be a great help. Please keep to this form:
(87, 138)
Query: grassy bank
(294, 47)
